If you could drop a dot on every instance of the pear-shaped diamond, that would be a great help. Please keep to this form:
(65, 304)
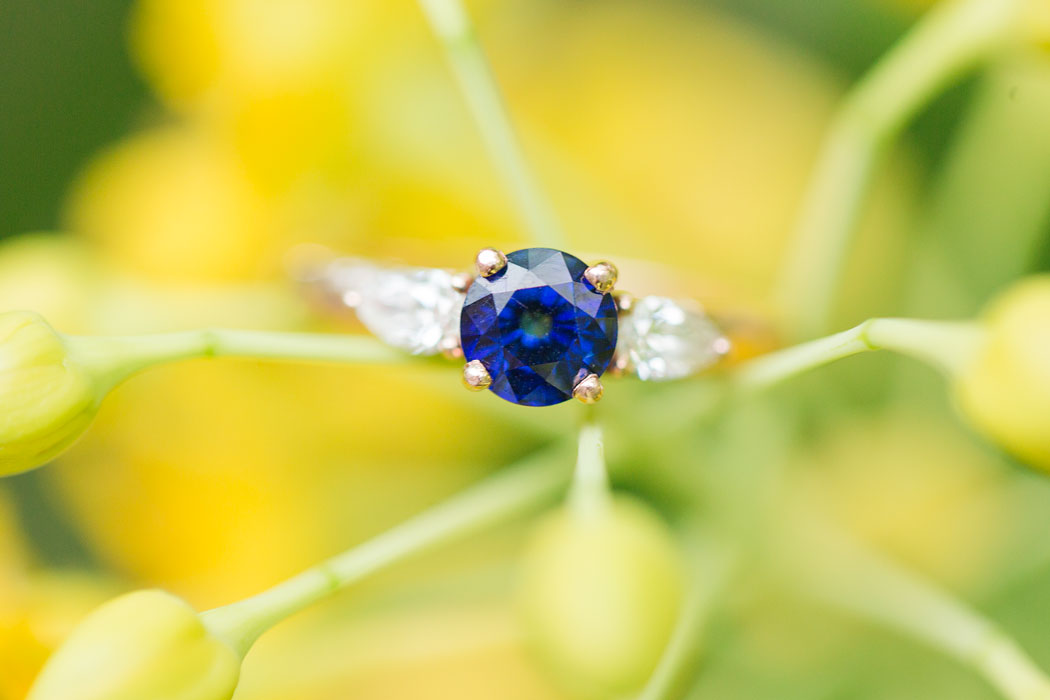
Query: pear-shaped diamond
(408, 308)
(666, 339)
(345, 280)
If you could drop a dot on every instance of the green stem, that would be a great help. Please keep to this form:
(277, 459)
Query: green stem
(947, 43)
(839, 571)
(589, 494)
(948, 345)
(513, 491)
(113, 359)
(451, 23)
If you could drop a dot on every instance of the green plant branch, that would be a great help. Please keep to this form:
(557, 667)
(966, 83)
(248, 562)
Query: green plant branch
(451, 24)
(589, 494)
(113, 359)
(838, 571)
(515, 490)
(948, 345)
(952, 39)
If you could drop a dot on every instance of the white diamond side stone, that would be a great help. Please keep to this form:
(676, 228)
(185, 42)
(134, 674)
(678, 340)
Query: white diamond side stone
(666, 339)
(410, 308)
(346, 280)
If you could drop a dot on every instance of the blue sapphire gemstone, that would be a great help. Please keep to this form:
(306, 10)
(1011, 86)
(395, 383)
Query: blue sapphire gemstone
(538, 327)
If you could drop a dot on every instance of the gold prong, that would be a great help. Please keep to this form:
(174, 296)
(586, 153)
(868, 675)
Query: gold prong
(489, 261)
(475, 376)
(624, 302)
(450, 347)
(589, 389)
(461, 281)
(602, 276)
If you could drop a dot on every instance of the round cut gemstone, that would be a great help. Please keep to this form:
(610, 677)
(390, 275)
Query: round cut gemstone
(538, 327)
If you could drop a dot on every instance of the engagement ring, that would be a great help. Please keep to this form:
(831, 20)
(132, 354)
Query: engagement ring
(536, 327)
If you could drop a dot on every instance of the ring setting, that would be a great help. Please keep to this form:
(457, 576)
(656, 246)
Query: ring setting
(536, 327)
(538, 324)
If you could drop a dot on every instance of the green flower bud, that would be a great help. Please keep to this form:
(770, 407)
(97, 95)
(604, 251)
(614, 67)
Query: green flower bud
(600, 594)
(1005, 391)
(46, 399)
(146, 645)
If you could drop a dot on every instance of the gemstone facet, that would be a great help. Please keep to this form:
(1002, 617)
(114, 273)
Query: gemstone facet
(538, 327)
(410, 308)
(666, 339)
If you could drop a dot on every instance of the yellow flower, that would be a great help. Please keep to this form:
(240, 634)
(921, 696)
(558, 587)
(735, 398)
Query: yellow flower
(175, 205)
(918, 489)
(271, 472)
(682, 196)
(1005, 392)
(38, 609)
(46, 400)
(269, 78)
(600, 594)
(53, 274)
(146, 645)
(193, 51)
(444, 650)
(1035, 22)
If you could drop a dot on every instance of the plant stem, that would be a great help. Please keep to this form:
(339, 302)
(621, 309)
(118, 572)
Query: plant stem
(949, 41)
(839, 571)
(515, 490)
(946, 344)
(113, 359)
(589, 494)
(451, 23)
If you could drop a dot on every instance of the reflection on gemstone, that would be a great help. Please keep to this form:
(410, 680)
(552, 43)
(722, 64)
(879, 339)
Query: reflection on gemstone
(669, 339)
(538, 327)
(410, 308)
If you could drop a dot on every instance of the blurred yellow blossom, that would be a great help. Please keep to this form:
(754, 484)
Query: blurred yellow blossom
(1035, 22)
(55, 275)
(269, 78)
(650, 127)
(912, 486)
(36, 616)
(174, 204)
(438, 650)
(295, 141)
(1005, 393)
(287, 464)
(197, 51)
(38, 608)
